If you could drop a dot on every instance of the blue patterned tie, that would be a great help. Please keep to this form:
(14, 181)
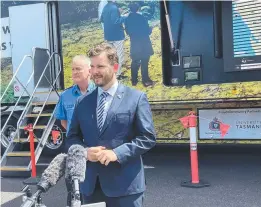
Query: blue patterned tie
(100, 109)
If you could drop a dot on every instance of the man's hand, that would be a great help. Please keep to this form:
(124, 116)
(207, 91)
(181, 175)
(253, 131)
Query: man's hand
(106, 156)
(92, 153)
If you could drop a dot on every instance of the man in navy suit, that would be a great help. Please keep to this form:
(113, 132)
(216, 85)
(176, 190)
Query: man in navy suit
(114, 123)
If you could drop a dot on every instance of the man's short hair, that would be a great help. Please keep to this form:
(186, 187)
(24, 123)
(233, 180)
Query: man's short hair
(83, 58)
(106, 48)
(134, 7)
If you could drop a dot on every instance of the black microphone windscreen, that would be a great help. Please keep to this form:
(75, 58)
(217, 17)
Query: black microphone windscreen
(53, 172)
(76, 163)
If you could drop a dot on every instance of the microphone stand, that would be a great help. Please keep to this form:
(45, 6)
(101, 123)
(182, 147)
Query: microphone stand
(33, 201)
(75, 195)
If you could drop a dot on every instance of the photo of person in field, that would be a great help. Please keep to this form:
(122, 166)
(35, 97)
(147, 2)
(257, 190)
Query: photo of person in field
(138, 29)
(114, 30)
(133, 28)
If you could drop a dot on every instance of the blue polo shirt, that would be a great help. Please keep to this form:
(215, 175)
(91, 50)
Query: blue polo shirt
(65, 106)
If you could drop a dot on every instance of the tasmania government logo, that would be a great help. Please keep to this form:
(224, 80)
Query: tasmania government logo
(214, 125)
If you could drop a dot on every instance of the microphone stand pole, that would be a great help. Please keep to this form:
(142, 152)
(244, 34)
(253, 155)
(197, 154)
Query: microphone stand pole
(33, 201)
(75, 196)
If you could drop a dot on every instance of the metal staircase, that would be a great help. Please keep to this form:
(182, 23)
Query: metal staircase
(38, 111)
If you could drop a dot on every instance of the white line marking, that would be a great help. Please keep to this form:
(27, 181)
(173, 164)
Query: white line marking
(148, 167)
(8, 196)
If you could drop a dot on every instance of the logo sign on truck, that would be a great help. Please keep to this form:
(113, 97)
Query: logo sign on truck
(244, 123)
(5, 38)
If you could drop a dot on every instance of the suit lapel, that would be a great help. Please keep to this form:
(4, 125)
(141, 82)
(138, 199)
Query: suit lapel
(117, 99)
(93, 108)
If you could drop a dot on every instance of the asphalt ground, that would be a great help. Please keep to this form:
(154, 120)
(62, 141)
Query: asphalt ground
(233, 172)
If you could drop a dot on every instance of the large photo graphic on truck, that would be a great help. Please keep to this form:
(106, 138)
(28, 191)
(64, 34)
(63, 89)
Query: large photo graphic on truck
(82, 26)
(219, 59)
(136, 36)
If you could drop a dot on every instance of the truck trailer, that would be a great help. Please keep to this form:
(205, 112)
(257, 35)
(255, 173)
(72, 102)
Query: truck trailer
(206, 58)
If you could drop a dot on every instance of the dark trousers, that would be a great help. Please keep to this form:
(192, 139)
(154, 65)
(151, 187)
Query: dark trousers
(135, 200)
(135, 65)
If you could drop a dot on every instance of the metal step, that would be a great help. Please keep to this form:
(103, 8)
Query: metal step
(15, 171)
(22, 171)
(18, 154)
(42, 103)
(36, 115)
(14, 168)
(43, 164)
(46, 92)
(36, 127)
(41, 96)
(22, 140)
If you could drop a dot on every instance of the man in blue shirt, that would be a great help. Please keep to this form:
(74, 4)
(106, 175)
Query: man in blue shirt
(82, 85)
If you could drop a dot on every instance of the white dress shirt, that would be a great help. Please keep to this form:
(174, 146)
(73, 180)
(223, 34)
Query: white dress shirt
(112, 90)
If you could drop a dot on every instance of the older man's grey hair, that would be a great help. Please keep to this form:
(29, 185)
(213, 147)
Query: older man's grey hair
(86, 60)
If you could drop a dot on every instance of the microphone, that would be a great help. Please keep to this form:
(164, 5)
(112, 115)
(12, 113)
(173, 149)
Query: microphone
(75, 171)
(50, 177)
(53, 173)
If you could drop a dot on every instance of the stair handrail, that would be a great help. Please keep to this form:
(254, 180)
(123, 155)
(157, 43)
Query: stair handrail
(30, 99)
(54, 53)
(32, 95)
(50, 123)
(16, 104)
(50, 90)
(7, 149)
(14, 76)
(43, 139)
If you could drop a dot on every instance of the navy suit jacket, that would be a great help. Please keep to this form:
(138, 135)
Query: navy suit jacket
(128, 130)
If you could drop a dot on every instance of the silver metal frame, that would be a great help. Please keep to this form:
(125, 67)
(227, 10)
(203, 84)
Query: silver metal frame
(52, 119)
(168, 25)
(101, 204)
(3, 128)
(14, 76)
(31, 97)
(172, 44)
(55, 72)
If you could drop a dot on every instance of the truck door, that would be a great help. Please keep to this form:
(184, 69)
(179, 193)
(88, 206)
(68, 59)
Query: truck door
(30, 27)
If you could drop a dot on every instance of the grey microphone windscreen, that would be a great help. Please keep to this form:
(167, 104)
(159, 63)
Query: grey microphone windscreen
(53, 172)
(76, 163)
